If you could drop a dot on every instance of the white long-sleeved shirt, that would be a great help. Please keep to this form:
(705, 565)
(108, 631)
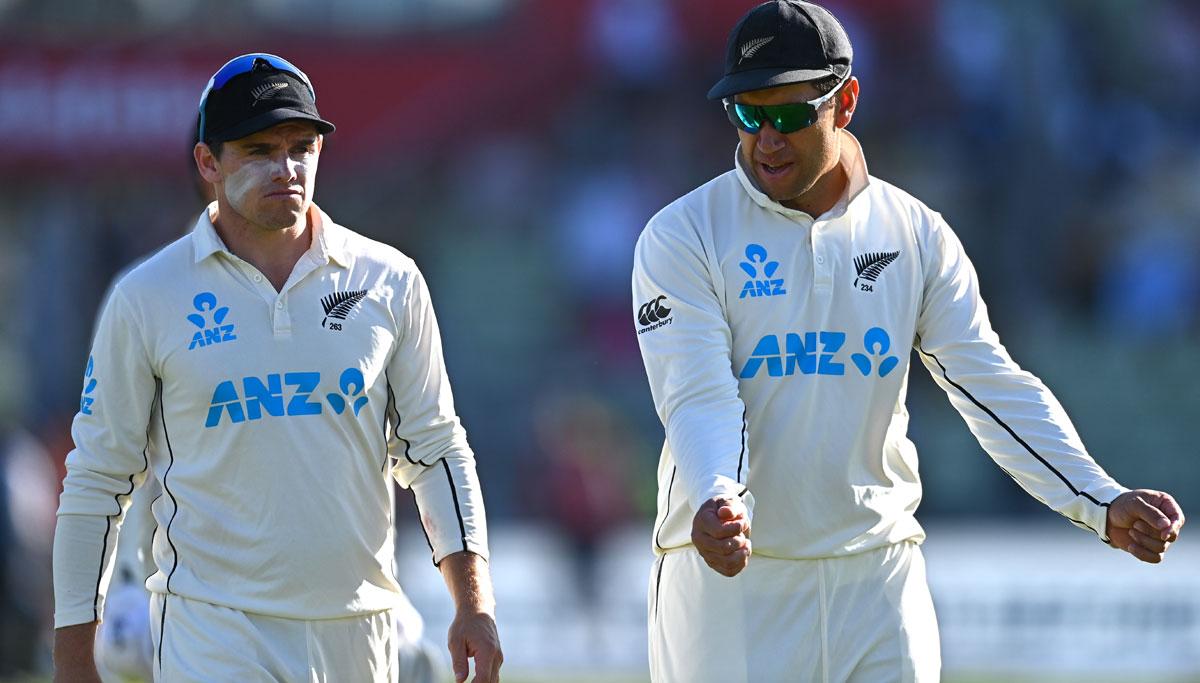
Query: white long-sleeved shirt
(777, 350)
(273, 420)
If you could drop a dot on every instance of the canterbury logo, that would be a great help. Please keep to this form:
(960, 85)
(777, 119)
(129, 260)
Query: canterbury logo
(870, 265)
(653, 311)
(266, 90)
(752, 46)
(339, 304)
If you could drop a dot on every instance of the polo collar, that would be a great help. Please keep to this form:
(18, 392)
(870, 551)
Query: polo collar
(852, 160)
(329, 238)
(205, 241)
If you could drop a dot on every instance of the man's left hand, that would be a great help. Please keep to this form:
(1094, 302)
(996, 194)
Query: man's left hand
(473, 633)
(1144, 523)
(474, 636)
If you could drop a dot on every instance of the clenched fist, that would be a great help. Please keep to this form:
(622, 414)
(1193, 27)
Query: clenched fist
(1144, 523)
(721, 532)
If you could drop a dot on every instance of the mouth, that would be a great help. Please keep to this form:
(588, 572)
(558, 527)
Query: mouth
(286, 194)
(774, 170)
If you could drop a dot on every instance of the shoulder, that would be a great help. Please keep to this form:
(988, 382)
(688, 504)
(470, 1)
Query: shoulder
(886, 196)
(689, 217)
(148, 275)
(932, 237)
(381, 268)
(373, 254)
(897, 206)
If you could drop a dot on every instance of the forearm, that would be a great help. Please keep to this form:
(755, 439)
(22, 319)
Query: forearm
(466, 575)
(73, 658)
(473, 632)
(688, 361)
(450, 503)
(83, 549)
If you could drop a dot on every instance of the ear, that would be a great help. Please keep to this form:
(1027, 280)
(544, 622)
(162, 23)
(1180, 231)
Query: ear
(847, 100)
(207, 163)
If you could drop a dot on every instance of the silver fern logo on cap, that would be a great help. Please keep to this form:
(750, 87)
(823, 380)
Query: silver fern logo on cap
(266, 90)
(752, 46)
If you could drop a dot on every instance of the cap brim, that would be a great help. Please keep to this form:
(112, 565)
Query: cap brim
(266, 120)
(757, 79)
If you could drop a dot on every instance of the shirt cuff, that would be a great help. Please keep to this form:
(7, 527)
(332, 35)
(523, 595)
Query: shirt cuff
(725, 487)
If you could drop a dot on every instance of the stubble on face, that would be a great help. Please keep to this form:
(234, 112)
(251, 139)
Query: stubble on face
(791, 168)
(269, 176)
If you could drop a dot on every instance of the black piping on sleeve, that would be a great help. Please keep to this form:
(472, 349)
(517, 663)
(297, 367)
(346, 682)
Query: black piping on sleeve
(462, 527)
(1010, 431)
(108, 526)
(742, 454)
(396, 426)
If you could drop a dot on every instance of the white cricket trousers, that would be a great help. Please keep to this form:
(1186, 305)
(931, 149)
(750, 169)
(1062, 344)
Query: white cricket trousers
(865, 618)
(199, 642)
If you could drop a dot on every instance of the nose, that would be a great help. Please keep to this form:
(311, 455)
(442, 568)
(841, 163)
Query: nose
(768, 139)
(284, 169)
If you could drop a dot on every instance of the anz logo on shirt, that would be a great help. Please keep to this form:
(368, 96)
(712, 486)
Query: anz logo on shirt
(87, 399)
(214, 332)
(262, 396)
(817, 353)
(761, 271)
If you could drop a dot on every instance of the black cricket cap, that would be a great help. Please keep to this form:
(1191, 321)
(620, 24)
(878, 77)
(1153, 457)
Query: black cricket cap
(781, 42)
(257, 100)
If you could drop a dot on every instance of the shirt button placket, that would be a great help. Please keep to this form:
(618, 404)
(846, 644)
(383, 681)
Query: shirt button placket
(282, 324)
(821, 270)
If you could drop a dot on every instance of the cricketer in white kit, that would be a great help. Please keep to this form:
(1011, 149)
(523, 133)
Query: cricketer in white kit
(776, 306)
(273, 370)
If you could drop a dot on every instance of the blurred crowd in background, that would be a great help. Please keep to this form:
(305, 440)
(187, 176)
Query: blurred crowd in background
(516, 148)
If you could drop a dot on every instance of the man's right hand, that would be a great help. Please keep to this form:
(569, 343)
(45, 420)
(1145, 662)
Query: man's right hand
(74, 661)
(721, 532)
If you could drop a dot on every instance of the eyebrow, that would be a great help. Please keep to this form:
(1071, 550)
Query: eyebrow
(268, 146)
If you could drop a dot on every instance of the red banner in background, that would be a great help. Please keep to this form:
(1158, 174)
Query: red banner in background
(67, 108)
(70, 108)
(70, 105)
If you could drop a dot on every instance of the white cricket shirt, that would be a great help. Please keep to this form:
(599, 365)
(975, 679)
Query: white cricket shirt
(777, 349)
(273, 420)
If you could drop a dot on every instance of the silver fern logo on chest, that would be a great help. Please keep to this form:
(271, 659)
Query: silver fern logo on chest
(870, 266)
(339, 306)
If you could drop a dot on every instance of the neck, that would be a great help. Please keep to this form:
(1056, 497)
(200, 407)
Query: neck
(823, 195)
(273, 251)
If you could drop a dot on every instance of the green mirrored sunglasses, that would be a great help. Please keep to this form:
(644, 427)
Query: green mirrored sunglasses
(784, 118)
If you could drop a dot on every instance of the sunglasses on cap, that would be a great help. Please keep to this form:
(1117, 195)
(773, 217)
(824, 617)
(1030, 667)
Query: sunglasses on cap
(784, 118)
(245, 64)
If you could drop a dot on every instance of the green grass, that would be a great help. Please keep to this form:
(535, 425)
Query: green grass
(558, 678)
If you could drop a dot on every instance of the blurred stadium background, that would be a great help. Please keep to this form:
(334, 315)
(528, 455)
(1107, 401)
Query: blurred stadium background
(515, 148)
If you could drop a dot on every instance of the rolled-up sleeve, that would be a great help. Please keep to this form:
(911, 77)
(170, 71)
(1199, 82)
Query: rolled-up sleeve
(107, 463)
(425, 438)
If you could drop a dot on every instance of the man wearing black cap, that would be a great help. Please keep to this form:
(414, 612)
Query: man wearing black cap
(775, 308)
(272, 369)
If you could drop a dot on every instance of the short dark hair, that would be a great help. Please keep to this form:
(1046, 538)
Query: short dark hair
(214, 146)
(826, 84)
